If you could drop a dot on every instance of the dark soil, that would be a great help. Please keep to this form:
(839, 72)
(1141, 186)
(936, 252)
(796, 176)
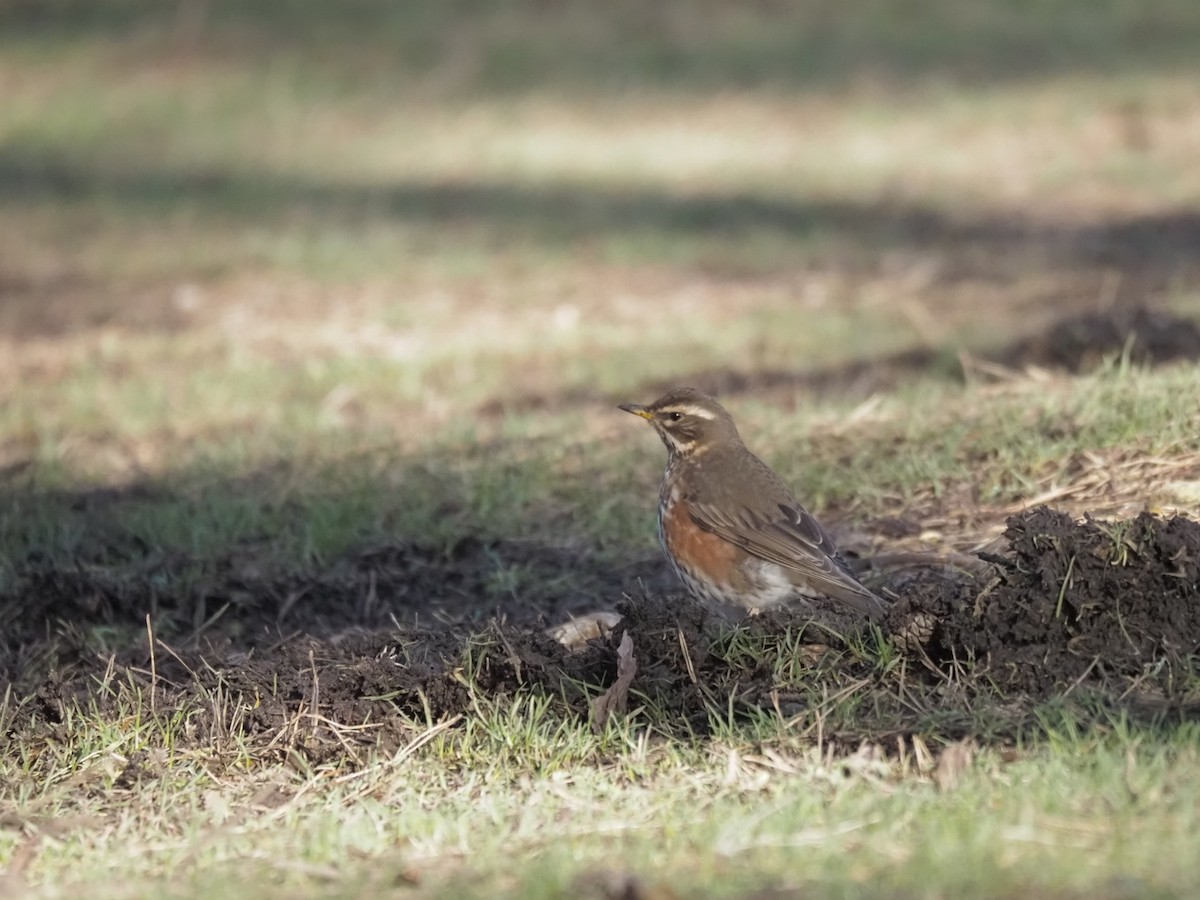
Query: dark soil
(1106, 610)
(1104, 600)
(1080, 343)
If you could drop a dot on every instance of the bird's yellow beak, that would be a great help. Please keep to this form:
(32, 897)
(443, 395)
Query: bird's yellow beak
(637, 410)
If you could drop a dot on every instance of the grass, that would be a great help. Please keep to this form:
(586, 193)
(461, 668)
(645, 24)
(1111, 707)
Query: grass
(999, 445)
(518, 803)
(284, 286)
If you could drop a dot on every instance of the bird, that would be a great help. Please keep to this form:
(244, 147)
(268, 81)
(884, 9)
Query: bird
(729, 526)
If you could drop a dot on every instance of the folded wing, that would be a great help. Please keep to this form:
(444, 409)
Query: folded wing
(793, 539)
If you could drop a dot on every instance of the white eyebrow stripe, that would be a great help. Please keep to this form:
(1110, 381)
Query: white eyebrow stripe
(698, 411)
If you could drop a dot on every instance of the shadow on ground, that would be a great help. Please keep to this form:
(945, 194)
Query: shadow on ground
(570, 213)
(1140, 256)
(472, 49)
(1076, 343)
(1105, 614)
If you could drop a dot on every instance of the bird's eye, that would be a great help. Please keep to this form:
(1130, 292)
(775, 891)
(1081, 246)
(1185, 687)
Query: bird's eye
(675, 416)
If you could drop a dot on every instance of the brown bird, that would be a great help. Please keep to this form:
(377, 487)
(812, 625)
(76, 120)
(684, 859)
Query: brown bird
(729, 526)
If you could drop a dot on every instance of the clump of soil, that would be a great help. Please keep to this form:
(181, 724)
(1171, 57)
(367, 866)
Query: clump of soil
(1073, 600)
(1070, 603)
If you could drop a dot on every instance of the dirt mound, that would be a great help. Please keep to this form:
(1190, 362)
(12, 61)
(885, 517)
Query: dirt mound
(1073, 601)
(1080, 343)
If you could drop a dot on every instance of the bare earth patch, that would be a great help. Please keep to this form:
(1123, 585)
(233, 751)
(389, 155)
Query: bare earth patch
(1108, 609)
(1073, 603)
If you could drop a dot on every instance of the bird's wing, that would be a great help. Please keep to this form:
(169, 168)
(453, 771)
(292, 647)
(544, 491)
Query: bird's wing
(791, 538)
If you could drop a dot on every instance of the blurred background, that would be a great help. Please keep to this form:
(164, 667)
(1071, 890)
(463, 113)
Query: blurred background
(286, 277)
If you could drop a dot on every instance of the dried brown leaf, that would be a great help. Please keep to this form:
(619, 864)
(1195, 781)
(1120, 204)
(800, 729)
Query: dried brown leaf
(616, 698)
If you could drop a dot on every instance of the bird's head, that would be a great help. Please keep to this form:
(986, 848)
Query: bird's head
(688, 421)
